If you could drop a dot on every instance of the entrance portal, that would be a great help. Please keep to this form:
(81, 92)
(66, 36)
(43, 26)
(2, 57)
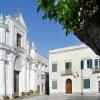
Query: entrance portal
(68, 86)
(16, 81)
(38, 89)
(17, 68)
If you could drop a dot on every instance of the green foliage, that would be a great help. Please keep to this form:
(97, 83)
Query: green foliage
(71, 14)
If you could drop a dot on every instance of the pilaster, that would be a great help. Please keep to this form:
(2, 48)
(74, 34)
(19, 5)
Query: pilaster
(2, 78)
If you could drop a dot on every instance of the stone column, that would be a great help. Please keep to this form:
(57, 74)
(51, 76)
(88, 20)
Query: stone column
(28, 77)
(33, 79)
(2, 78)
(22, 76)
(10, 78)
(2, 72)
(40, 89)
(44, 86)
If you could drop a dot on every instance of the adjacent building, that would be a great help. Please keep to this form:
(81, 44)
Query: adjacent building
(19, 70)
(74, 70)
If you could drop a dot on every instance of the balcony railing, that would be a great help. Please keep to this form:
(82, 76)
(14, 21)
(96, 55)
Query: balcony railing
(67, 72)
(96, 71)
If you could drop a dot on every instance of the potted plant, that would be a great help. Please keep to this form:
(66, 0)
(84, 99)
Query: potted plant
(15, 95)
(5, 97)
(23, 93)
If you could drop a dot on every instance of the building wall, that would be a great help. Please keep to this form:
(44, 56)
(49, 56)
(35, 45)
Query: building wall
(20, 64)
(38, 71)
(72, 54)
(8, 53)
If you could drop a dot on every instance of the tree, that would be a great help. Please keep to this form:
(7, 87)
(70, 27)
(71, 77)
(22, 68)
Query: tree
(82, 17)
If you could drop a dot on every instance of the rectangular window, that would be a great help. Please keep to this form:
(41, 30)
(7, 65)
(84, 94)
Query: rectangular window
(54, 67)
(86, 83)
(82, 64)
(89, 63)
(18, 40)
(96, 63)
(99, 63)
(68, 65)
(54, 84)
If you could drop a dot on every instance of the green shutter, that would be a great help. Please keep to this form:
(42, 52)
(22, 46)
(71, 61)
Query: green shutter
(86, 83)
(54, 84)
(82, 64)
(54, 67)
(68, 65)
(90, 63)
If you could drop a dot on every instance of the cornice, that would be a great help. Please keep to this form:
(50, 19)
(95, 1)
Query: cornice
(70, 48)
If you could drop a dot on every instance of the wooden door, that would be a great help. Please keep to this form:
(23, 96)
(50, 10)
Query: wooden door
(68, 86)
(16, 81)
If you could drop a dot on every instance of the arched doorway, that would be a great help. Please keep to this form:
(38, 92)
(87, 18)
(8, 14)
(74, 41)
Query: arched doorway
(68, 86)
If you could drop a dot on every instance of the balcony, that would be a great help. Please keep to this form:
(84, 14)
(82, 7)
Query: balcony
(67, 72)
(96, 71)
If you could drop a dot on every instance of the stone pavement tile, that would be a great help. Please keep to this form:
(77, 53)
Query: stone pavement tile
(61, 97)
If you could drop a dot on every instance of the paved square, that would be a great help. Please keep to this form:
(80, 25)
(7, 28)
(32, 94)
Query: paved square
(63, 97)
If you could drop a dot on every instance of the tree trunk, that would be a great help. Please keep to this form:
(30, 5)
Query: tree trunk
(90, 34)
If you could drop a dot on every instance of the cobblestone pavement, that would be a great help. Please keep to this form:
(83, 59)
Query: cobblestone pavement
(63, 97)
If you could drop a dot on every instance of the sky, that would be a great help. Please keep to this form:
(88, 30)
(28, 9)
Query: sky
(45, 34)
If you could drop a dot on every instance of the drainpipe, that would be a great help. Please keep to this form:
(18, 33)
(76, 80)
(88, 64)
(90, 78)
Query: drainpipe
(81, 82)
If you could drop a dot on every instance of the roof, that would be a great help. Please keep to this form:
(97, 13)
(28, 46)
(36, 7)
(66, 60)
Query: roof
(69, 48)
(18, 16)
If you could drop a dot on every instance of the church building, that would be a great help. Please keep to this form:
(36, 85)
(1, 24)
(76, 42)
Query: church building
(38, 71)
(13, 33)
(16, 73)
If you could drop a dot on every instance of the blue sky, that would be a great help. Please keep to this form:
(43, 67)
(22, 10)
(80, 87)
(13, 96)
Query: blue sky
(46, 35)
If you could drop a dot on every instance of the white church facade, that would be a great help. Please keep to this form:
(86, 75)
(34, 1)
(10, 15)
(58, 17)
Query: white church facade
(74, 70)
(37, 72)
(14, 57)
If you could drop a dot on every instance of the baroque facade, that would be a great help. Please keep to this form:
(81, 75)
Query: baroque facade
(14, 54)
(74, 70)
